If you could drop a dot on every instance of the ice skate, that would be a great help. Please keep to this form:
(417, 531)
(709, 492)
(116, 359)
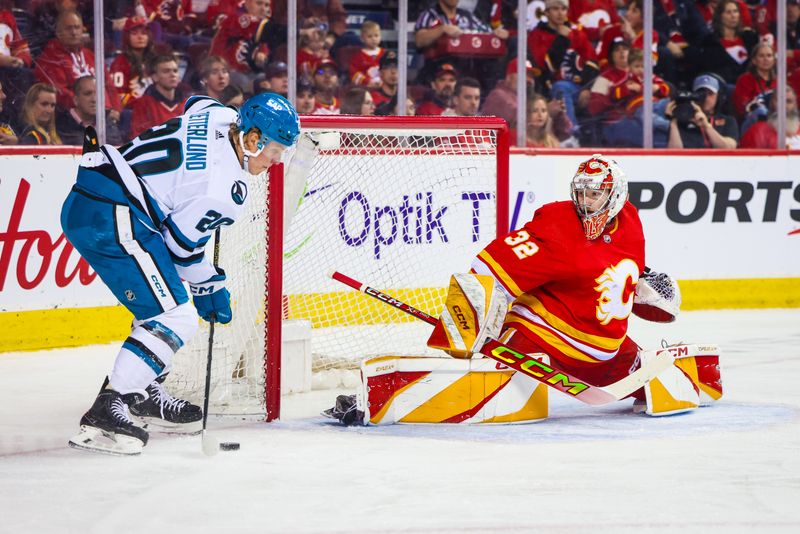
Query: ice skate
(345, 411)
(107, 426)
(165, 414)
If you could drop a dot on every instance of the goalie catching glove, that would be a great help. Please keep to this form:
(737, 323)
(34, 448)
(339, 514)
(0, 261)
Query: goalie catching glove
(474, 310)
(657, 297)
(212, 300)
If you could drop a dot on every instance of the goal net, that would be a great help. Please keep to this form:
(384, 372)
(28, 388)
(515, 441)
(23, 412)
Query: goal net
(400, 203)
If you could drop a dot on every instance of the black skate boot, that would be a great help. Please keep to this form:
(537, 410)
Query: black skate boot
(345, 411)
(107, 427)
(165, 414)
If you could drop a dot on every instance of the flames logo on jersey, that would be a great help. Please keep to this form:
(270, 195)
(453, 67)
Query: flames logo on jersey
(611, 285)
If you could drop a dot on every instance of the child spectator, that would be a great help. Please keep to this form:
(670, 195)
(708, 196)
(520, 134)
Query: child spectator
(214, 76)
(539, 129)
(311, 49)
(305, 98)
(613, 85)
(39, 116)
(357, 101)
(7, 134)
(65, 59)
(756, 85)
(388, 76)
(364, 66)
(241, 41)
(326, 84)
(764, 133)
(563, 52)
(442, 87)
(163, 100)
(466, 98)
(128, 68)
(71, 124)
(502, 100)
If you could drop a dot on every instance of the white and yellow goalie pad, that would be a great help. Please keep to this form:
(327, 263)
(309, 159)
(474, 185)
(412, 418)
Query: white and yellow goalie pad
(693, 380)
(410, 389)
(474, 309)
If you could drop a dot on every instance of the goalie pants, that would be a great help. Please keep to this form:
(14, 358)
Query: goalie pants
(133, 261)
(600, 374)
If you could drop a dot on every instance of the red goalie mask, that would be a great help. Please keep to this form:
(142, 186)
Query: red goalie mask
(599, 190)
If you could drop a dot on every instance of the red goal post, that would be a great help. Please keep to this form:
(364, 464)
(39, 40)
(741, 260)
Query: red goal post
(402, 201)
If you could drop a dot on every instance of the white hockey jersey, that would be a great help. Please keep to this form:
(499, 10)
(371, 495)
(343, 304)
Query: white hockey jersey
(192, 180)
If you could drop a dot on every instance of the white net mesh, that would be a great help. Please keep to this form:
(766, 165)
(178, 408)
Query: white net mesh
(400, 210)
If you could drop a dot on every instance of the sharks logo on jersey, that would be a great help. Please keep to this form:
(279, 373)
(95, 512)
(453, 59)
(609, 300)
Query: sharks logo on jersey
(239, 192)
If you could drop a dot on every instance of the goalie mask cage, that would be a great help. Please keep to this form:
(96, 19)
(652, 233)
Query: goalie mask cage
(400, 202)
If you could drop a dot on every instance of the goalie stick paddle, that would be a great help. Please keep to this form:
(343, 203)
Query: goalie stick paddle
(547, 374)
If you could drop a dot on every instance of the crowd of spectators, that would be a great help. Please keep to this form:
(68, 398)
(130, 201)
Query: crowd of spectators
(714, 63)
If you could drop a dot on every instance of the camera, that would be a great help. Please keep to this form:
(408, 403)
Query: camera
(684, 111)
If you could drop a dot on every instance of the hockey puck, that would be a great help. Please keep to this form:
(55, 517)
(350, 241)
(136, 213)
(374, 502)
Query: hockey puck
(229, 446)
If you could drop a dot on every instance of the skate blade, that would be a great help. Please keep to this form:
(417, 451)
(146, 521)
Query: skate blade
(159, 426)
(96, 440)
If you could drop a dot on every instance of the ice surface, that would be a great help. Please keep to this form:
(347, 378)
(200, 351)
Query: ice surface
(733, 467)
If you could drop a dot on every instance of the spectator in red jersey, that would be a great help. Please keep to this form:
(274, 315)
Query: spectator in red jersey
(501, 14)
(446, 19)
(358, 101)
(45, 19)
(241, 40)
(128, 68)
(563, 52)
(388, 75)
(171, 21)
(214, 76)
(7, 134)
(326, 84)
(39, 116)
(365, 65)
(707, 8)
(764, 133)
(65, 59)
(725, 50)
(305, 98)
(755, 87)
(163, 100)
(631, 29)
(539, 129)
(15, 58)
(502, 100)
(612, 86)
(329, 12)
(311, 48)
(594, 15)
(441, 94)
(71, 124)
(276, 79)
(466, 98)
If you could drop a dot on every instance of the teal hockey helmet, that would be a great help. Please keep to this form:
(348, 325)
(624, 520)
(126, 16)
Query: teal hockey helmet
(273, 115)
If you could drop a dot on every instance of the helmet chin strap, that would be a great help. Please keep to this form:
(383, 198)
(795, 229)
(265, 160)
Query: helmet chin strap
(247, 153)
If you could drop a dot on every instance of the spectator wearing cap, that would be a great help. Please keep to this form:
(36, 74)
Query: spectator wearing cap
(304, 103)
(365, 65)
(326, 84)
(276, 79)
(241, 40)
(442, 86)
(764, 133)
(708, 127)
(725, 50)
(466, 98)
(445, 19)
(563, 52)
(502, 100)
(214, 76)
(65, 59)
(128, 70)
(388, 76)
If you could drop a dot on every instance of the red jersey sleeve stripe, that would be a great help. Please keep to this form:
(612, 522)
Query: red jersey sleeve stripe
(500, 274)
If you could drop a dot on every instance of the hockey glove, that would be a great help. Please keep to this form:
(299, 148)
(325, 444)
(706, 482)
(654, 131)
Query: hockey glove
(212, 300)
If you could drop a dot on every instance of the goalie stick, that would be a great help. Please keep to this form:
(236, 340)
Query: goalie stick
(547, 374)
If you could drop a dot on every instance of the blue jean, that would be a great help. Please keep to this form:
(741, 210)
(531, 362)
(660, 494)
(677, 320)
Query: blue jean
(629, 131)
(567, 91)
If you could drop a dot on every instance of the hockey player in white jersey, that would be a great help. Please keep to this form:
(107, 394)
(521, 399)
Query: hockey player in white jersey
(141, 217)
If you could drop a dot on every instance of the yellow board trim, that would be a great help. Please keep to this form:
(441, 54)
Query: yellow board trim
(72, 327)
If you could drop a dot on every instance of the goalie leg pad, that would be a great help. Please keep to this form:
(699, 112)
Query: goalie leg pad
(443, 390)
(693, 380)
(474, 309)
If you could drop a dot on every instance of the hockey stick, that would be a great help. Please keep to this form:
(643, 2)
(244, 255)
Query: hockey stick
(209, 443)
(547, 374)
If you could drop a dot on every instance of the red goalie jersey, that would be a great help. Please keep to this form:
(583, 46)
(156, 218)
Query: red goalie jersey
(572, 296)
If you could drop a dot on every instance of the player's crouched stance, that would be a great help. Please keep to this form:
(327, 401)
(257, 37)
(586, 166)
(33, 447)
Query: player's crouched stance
(141, 216)
(563, 288)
